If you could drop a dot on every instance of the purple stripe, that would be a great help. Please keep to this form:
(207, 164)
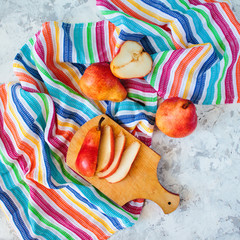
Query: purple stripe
(106, 4)
(167, 71)
(40, 201)
(39, 47)
(233, 44)
(144, 87)
(100, 41)
(10, 147)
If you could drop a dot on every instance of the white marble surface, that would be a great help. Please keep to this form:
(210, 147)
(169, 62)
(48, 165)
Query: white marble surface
(204, 167)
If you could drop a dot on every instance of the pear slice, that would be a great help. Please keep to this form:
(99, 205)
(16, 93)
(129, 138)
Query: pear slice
(127, 160)
(119, 147)
(106, 149)
(131, 61)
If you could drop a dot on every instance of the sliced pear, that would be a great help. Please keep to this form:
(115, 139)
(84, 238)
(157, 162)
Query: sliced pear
(119, 147)
(131, 61)
(127, 160)
(106, 149)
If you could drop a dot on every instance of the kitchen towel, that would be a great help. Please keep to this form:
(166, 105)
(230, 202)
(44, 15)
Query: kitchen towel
(195, 48)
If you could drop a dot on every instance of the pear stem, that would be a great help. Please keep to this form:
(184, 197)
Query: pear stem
(99, 123)
(185, 105)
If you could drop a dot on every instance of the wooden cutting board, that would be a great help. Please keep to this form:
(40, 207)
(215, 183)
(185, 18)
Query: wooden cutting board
(141, 181)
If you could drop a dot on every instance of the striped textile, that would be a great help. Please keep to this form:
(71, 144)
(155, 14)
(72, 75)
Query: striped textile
(195, 43)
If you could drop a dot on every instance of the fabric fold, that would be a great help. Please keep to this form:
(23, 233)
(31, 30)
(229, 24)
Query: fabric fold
(195, 49)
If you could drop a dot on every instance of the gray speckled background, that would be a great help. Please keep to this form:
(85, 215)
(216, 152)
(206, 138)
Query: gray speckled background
(204, 167)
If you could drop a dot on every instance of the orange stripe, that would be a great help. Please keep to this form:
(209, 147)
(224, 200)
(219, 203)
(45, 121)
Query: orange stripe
(26, 78)
(112, 40)
(178, 76)
(61, 203)
(130, 12)
(25, 147)
(50, 56)
(231, 16)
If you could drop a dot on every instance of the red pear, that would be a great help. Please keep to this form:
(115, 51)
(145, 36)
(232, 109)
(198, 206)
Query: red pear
(176, 117)
(86, 161)
(98, 83)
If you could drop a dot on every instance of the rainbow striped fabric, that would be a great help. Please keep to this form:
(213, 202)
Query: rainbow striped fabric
(195, 48)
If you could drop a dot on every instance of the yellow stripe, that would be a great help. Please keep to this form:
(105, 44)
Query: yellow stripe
(17, 65)
(146, 128)
(62, 64)
(161, 19)
(93, 215)
(57, 41)
(30, 138)
(67, 124)
(196, 64)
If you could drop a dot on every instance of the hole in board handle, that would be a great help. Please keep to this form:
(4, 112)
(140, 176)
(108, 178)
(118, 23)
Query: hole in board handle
(169, 203)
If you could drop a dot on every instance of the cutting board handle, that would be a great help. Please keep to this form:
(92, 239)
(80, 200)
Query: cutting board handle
(168, 201)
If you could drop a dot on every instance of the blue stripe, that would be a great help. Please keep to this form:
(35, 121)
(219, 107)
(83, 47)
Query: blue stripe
(27, 53)
(78, 40)
(16, 216)
(136, 27)
(215, 70)
(29, 121)
(67, 43)
(67, 114)
(202, 33)
(51, 168)
(200, 81)
(147, 45)
(23, 201)
(72, 102)
(180, 17)
(32, 71)
(113, 220)
(81, 67)
(125, 119)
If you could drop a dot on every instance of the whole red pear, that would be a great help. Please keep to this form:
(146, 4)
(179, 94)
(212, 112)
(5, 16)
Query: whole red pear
(99, 83)
(176, 117)
(87, 158)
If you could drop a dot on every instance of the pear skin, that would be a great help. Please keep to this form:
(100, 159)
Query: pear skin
(98, 83)
(87, 158)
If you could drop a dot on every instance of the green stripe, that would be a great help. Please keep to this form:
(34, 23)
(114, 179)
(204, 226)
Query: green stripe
(219, 96)
(75, 181)
(45, 221)
(158, 29)
(64, 171)
(221, 44)
(15, 170)
(143, 98)
(209, 24)
(156, 68)
(30, 207)
(89, 42)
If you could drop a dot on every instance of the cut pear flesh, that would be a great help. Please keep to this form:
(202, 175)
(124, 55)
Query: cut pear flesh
(106, 149)
(131, 61)
(127, 159)
(119, 147)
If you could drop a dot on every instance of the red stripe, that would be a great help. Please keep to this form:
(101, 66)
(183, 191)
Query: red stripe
(61, 219)
(233, 44)
(163, 83)
(100, 41)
